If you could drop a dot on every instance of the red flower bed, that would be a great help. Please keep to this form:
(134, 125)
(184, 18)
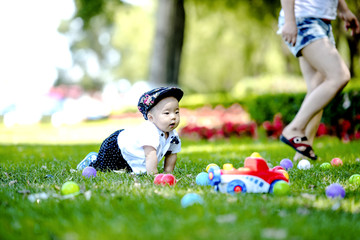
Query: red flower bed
(274, 129)
(209, 123)
(219, 122)
(345, 130)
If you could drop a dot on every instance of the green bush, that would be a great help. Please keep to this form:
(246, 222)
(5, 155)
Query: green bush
(345, 105)
(262, 108)
(271, 100)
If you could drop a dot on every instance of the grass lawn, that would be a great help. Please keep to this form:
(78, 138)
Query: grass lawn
(124, 206)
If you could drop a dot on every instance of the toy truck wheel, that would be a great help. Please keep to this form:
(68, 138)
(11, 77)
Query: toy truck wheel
(214, 175)
(271, 188)
(236, 186)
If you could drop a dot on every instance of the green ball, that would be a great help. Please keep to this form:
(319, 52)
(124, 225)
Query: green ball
(325, 165)
(281, 188)
(70, 187)
(355, 179)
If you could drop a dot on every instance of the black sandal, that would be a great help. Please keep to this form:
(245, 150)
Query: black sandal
(296, 142)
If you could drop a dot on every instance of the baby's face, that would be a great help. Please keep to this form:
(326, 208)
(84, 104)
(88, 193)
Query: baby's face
(165, 114)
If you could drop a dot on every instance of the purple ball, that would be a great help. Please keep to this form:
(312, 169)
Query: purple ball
(89, 172)
(335, 190)
(286, 163)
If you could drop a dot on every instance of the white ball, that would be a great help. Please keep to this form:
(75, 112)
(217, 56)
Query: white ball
(304, 164)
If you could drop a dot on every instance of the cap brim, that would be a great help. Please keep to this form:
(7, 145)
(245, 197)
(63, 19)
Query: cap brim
(172, 92)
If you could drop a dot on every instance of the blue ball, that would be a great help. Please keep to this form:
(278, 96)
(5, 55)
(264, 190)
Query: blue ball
(191, 199)
(286, 163)
(203, 179)
(335, 190)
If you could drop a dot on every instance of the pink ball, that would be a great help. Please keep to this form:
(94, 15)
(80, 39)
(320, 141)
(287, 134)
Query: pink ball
(157, 179)
(168, 179)
(336, 162)
(89, 172)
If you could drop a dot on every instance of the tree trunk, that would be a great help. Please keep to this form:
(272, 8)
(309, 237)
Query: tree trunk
(170, 25)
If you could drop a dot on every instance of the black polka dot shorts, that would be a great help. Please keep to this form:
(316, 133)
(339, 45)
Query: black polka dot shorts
(109, 156)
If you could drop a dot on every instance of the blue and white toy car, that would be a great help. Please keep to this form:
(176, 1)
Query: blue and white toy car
(254, 177)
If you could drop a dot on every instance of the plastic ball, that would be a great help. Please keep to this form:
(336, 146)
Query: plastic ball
(202, 179)
(157, 179)
(286, 163)
(256, 155)
(335, 190)
(191, 199)
(325, 165)
(304, 164)
(211, 165)
(336, 162)
(168, 179)
(355, 179)
(70, 187)
(89, 172)
(281, 188)
(228, 166)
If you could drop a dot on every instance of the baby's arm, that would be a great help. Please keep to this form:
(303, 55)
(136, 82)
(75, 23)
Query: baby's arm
(150, 160)
(169, 162)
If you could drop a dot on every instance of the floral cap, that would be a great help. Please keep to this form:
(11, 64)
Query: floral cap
(149, 99)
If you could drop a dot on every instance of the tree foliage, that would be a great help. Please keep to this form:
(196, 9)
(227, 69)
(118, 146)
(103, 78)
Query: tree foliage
(225, 41)
(87, 10)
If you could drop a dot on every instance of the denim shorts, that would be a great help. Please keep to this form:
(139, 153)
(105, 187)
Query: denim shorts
(309, 30)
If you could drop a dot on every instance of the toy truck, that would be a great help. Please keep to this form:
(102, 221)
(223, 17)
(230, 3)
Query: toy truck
(254, 177)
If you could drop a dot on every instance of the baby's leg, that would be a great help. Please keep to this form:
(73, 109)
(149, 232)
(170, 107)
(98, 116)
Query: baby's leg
(110, 157)
(87, 161)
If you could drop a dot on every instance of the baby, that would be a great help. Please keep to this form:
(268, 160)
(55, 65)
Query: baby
(139, 149)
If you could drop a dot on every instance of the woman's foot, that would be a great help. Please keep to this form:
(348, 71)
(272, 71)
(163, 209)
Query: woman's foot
(298, 156)
(298, 141)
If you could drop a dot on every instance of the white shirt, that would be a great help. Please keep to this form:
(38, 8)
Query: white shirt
(132, 140)
(326, 9)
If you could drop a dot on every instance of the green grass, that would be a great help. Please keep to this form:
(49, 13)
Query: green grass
(124, 206)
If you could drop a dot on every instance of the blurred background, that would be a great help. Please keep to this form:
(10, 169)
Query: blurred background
(65, 62)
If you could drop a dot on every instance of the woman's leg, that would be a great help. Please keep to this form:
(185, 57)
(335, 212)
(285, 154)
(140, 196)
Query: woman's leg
(323, 57)
(312, 79)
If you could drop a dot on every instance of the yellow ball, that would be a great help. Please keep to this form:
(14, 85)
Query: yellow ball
(70, 187)
(256, 155)
(228, 166)
(211, 165)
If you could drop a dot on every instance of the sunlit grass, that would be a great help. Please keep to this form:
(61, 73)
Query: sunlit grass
(46, 133)
(125, 206)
